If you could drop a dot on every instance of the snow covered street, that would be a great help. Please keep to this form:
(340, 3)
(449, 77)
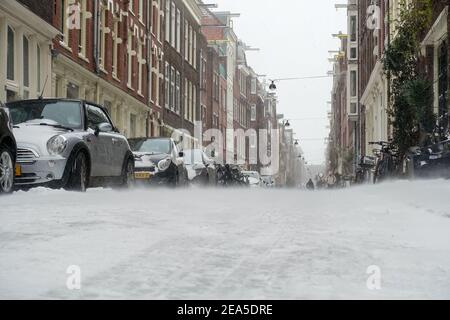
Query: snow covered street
(228, 244)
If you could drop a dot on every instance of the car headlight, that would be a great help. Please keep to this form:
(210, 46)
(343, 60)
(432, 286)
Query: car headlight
(163, 165)
(56, 145)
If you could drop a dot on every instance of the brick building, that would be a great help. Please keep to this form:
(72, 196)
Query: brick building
(182, 68)
(373, 85)
(156, 67)
(217, 27)
(103, 57)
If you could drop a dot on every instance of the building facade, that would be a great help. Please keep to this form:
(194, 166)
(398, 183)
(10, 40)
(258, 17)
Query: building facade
(181, 68)
(102, 56)
(26, 35)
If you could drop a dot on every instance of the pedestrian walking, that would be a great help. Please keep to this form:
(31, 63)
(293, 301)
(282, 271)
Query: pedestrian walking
(310, 185)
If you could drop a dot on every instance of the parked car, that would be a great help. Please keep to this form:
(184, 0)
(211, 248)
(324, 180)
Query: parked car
(432, 161)
(8, 152)
(268, 181)
(70, 144)
(158, 161)
(254, 178)
(200, 168)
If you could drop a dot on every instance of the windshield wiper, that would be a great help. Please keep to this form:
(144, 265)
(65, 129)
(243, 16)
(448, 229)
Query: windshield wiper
(56, 126)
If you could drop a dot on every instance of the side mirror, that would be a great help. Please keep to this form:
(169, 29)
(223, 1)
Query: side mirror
(103, 127)
(181, 154)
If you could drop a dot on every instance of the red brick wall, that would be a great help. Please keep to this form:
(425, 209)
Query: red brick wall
(126, 22)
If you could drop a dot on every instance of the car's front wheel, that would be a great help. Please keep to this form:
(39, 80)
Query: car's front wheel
(78, 180)
(128, 174)
(6, 170)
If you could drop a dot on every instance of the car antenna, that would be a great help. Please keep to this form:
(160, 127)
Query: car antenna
(43, 89)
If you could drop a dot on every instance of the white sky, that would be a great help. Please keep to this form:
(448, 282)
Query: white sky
(294, 37)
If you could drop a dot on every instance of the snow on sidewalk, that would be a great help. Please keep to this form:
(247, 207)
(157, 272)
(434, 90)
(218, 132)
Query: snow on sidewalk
(228, 244)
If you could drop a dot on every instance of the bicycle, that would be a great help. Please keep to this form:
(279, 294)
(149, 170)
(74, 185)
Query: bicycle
(387, 164)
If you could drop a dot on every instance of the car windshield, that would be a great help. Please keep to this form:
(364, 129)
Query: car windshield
(154, 146)
(193, 157)
(64, 113)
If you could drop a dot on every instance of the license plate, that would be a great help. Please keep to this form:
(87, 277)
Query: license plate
(142, 175)
(18, 170)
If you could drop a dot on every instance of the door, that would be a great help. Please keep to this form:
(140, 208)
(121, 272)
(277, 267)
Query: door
(100, 144)
(120, 148)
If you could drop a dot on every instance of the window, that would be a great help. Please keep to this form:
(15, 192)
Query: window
(154, 95)
(194, 57)
(353, 28)
(353, 53)
(102, 38)
(253, 89)
(194, 103)
(115, 48)
(190, 45)
(172, 88)
(353, 108)
(353, 83)
(178, 45)
(10, 73)
(167, 20)
(253, 113)
(155, 19)
(64, 21)
(172, 25)
(189, 101)
(140, 60)
(186, 40)
(131, 6)
(186, 97)
(82, 30)
(202, 70)
(167, 85)
(178, 93)
(141, 10)
(26, 68)
(130, 57)
(95, 116)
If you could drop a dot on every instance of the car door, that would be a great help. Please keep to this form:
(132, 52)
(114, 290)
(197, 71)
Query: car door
(120, 148)
(100, 144)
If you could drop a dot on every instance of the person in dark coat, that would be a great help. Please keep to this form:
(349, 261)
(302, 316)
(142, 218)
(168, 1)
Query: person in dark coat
(310, 185)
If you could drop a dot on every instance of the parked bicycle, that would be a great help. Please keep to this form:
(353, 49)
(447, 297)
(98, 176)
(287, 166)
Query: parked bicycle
(387, 163)
(231, 175)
